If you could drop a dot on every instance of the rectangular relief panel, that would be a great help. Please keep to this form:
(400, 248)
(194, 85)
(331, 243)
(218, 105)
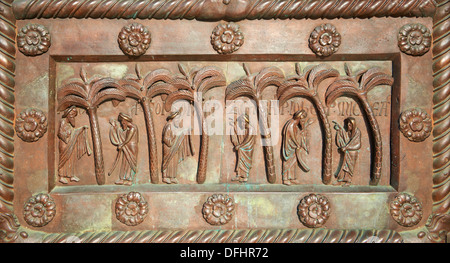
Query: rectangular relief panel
(190, 126)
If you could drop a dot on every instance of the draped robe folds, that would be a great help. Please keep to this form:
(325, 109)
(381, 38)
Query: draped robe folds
(176, 147)
(245, 145)
(293, 146)
(128, 154)
(73, 145)
(353, 144)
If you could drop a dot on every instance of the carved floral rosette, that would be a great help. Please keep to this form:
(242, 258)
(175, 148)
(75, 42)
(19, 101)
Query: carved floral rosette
(324, 40)
(31, 125)
(313, 210)
(406, 210)
(39, 210)
(414, 39)
(134, 39)
(415, 124)
(33, 40)
(227, 38)
(218, 209)
(131, 209)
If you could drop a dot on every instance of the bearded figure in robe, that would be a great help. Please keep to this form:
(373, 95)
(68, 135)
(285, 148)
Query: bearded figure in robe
(73, 144)
(243, 145)
(124, 135)
(177, 146)
(294, 146)
(349, 143)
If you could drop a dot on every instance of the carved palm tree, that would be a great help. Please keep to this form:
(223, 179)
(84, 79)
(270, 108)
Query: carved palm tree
(306, 85)
(89, 94)
(143, 90)
(357, 86)
(252, 87)
(188, 84)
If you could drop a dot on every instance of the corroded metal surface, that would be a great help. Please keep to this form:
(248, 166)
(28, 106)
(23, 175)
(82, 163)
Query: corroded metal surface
(362, 166)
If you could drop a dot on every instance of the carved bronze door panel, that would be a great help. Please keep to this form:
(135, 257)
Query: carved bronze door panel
(224, 121)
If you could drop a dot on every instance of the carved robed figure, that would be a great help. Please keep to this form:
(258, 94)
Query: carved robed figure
(125, 137)
(243, 140)
(294, 146)
(348, 142)
(177, 145)
(73, 144)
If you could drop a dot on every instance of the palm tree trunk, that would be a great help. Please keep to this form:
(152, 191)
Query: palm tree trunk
(151, 140)
(327, 155)
(203, 158)
(204, 141)
(97, 145)
(267, 149)
(376, 138)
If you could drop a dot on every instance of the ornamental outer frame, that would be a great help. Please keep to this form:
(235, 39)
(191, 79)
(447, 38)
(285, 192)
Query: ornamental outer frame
(436, 229)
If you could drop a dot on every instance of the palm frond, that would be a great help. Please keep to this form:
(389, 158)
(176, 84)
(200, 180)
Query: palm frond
(271, 76)
(294, 91)
(158, 75)
(240, 88)
(74, 88)
(160, 88)
(107, 94)
(177, 95)
(72, 100)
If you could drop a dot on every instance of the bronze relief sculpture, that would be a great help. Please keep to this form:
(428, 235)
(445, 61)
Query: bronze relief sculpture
(31, 125)
(125, 136)
(348, 141)
(415, 124)
(73, 144)
(320, 91)
(33, 40)
(243, 139)
(294, 146)
(177, 145)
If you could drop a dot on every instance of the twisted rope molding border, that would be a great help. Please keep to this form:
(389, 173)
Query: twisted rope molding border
(7, 83)
(231, 236)
(209, 10)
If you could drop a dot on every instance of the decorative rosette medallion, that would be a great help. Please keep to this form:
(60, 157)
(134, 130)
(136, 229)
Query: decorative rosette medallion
(39, 210)
(324, 40)
(227, 38)
(218, 209)
(415, 124)
(313, 210)
(134, 39)
(31, 125)
(131, 209)
(406, 210)
(33, 40)
(414, 39)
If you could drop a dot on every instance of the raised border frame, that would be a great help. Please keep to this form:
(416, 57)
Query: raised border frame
(438, 225)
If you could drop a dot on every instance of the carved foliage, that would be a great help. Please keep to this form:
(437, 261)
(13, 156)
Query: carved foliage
(89, 94)
(357, 86)
(31, 125)
(39, 210)
(227, 38)
(131, 209)
(9, 228)
(406, 210)
(313, 210)
(414, 39)
(324, 40)
(415, 124)
(134, 39)
(252, 87)
(218, 209)
(33, 40)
